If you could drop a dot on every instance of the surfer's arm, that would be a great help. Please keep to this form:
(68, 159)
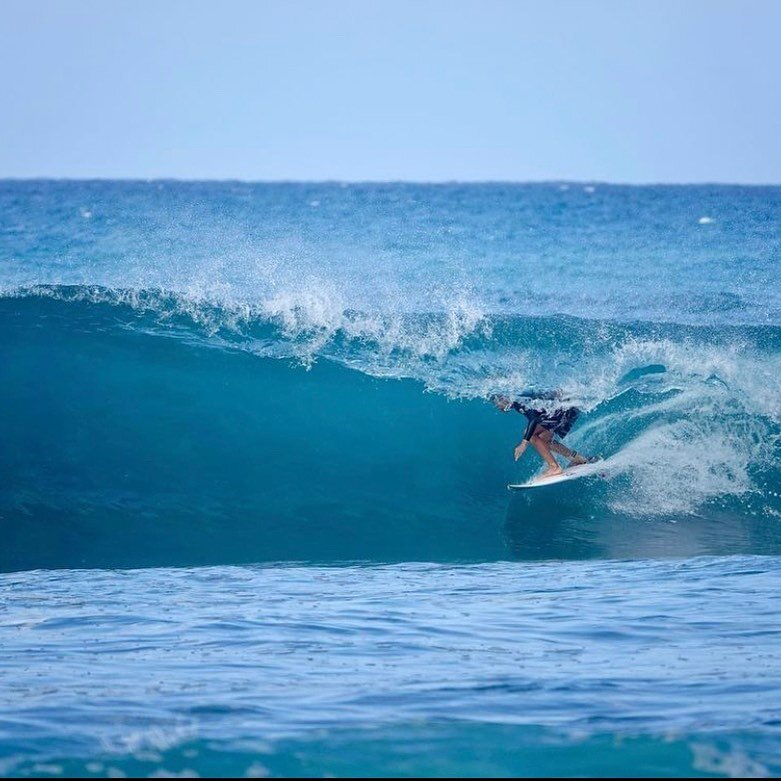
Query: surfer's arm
(530, 429)
(527, 435)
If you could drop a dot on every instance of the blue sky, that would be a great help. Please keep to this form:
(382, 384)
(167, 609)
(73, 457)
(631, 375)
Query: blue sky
(423, 90)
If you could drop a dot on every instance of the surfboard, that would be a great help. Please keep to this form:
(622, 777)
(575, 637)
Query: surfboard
(571, 473)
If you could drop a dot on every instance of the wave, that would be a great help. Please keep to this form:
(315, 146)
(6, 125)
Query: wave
(405, 749)
(152, 428)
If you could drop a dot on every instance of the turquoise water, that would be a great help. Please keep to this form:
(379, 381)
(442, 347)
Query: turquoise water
(252, 495)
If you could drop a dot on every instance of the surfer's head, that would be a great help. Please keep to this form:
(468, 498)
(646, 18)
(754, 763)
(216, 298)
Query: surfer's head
(501, 402)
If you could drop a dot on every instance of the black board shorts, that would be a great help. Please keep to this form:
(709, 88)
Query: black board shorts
(559, 421)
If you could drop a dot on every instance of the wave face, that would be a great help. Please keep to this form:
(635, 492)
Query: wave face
(232, 373)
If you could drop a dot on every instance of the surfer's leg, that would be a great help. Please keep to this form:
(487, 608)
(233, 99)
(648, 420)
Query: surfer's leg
(573, 456)
(541, 441)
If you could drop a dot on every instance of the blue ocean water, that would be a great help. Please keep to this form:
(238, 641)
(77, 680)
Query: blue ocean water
(252, 495)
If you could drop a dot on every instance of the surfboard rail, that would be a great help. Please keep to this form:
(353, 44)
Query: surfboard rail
(571, 473)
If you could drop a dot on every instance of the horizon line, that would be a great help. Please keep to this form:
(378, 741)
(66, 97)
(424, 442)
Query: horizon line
(347, 182)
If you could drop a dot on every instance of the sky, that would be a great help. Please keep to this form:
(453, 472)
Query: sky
(418, 90)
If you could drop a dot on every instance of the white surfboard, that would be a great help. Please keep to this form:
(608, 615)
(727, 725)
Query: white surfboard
(571, 473)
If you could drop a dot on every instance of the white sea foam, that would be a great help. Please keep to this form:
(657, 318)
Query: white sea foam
(731, 762)
(674, 468)
(709, 421)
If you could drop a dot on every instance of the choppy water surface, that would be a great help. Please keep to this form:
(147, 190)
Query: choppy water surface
(497, 668)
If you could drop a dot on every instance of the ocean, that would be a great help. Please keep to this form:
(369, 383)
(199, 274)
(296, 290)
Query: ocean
(253, 506)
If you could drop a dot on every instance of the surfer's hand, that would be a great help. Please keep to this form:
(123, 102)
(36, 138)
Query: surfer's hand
(519, 450)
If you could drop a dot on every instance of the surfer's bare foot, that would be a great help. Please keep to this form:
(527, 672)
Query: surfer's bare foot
(578, 460)
(551, 472)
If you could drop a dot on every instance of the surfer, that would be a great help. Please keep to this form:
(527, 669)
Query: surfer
(542, 429)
